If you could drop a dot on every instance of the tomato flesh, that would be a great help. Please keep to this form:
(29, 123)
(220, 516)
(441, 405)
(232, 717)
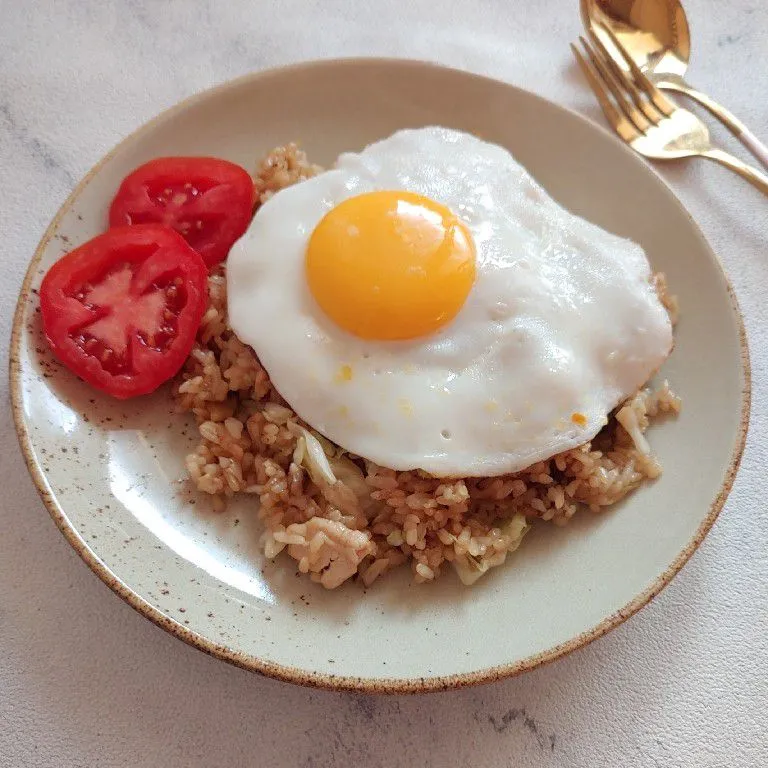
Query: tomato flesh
(207, 201)
(122, 310)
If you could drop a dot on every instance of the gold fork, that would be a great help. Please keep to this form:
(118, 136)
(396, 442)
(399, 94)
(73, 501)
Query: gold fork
(646, 119)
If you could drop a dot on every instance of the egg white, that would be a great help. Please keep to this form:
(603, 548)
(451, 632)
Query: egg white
(562, 318)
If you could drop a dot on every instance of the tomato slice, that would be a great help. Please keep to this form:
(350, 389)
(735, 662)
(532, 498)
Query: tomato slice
(122, 310)
(206, 200)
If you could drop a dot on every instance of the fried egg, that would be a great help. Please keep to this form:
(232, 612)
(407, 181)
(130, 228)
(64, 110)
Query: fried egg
(426, 305)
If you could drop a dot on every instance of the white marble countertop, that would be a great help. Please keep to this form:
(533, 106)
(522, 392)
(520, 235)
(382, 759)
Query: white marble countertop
(86, 681)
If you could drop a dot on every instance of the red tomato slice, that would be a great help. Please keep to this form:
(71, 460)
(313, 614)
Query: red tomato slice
(207, 201)
(122, 310)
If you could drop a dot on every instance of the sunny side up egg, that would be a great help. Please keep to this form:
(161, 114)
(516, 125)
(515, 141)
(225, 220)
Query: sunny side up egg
(425, 304)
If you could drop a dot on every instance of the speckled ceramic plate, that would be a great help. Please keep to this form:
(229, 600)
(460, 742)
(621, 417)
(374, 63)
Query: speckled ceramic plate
(111, 473)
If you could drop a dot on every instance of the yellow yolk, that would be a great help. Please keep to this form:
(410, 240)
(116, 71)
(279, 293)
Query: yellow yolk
(390, 265)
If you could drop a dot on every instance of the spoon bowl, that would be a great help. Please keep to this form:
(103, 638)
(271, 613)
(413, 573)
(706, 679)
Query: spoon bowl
(654, 32)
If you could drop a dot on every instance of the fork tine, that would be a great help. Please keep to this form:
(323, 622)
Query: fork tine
(645, 106)
(618, 121)
(609, 79)
(610, 59)
(660, 101)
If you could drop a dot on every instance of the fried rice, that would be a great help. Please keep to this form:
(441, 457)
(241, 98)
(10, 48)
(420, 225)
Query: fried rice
(340, 516)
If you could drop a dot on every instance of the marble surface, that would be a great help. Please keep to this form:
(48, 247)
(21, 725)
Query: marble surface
(86, 681)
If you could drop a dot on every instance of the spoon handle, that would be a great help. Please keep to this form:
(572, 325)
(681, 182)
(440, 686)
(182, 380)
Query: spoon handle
(728, 119)
(752, 175)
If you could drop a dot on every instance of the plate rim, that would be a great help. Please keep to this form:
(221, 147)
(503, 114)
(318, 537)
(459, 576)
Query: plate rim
(288, 673)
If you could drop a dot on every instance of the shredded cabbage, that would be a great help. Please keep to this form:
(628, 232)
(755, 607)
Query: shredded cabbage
(470, 568)
(315, 461)
(628, 419)
(348, 473)
(340, 481)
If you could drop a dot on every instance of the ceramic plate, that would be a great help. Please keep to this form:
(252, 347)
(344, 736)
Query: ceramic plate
(111, 473)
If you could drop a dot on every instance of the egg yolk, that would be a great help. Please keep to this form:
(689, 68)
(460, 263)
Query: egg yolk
(390, 265)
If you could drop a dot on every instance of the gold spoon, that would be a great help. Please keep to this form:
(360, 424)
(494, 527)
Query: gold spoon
(655, 34)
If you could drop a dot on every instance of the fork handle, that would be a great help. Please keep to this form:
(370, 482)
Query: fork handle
(727, 118)
(752, 175)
